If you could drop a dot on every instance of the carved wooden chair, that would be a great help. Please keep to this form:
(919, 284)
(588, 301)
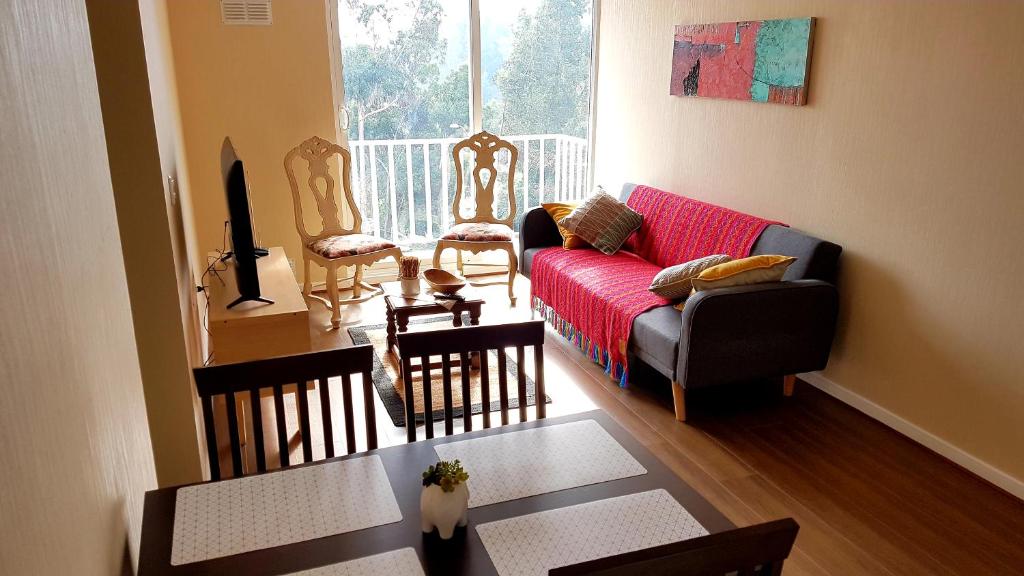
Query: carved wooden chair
(334, 246)
(484, 231)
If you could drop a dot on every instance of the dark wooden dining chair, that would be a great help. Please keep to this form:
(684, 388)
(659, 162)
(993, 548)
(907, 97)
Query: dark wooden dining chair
(464, 342)
(270, 376)
(757, 550)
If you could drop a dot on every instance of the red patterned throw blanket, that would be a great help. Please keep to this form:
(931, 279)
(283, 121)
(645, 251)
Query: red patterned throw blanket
(592, 298)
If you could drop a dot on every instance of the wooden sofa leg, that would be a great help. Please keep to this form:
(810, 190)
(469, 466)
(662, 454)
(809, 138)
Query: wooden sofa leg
(679, 401)
(788, 382)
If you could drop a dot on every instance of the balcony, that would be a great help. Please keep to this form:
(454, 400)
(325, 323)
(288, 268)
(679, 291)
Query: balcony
(405, 188)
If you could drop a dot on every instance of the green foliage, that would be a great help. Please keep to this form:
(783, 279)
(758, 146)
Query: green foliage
(446, 474)
(397, 87)
(545, 81)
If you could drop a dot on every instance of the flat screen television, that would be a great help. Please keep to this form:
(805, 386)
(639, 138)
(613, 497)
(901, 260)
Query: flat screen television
(243, 243)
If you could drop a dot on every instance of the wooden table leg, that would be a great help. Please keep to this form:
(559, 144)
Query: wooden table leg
(392, 329)
(474, 320)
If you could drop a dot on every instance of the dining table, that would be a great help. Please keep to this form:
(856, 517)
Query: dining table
(466, 552)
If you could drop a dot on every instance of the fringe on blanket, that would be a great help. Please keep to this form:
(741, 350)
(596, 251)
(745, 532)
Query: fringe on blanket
(615, 370)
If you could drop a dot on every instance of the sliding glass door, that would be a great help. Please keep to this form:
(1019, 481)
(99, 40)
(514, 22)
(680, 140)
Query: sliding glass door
(419, 75)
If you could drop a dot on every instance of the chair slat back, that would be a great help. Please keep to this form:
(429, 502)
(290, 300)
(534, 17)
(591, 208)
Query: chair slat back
(485, 147)
(317, 152)
(757, 550)
(463, 342)
(272, 375)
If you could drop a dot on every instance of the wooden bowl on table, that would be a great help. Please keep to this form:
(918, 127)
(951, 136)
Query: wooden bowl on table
(443, 281)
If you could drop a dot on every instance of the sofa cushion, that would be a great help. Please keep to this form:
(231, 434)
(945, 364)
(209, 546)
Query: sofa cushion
(678, 229)
(752, 270)
(603, 222)
(559, 210)
(675, 282)
(526, 260)
(655, 338)
(816, 259)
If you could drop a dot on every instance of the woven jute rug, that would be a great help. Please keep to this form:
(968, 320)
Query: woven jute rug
(388, 381)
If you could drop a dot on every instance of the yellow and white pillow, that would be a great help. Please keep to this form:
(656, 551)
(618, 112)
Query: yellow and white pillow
(752, 270)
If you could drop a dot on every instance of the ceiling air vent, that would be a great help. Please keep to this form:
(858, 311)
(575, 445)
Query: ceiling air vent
(246, 12)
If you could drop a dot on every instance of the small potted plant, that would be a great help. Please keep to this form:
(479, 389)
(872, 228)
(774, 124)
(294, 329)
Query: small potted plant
(409, 275)
(444, 501)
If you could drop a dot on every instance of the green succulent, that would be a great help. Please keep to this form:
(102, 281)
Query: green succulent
(446, 474)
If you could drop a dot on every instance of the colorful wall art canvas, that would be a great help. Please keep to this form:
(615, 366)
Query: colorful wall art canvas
(763, 60)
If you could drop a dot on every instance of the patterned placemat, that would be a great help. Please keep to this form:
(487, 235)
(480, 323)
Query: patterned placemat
(267, 510)
(533, 544)
(530, 462)
(402, 562)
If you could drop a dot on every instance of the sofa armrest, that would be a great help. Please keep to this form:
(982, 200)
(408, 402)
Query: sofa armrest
(536, 230)
(757, 331)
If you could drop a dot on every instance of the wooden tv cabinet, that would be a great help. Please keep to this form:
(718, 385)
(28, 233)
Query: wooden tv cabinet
(254, 330)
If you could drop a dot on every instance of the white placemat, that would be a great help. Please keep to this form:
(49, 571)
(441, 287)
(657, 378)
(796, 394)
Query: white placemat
(533, 544)
(266, 510)
(530, 462)
(403, 562)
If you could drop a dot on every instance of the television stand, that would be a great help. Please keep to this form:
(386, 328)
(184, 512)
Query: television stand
(242, 331)
(241, 299)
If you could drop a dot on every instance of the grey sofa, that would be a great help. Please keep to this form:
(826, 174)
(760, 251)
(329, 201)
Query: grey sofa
(730, 334)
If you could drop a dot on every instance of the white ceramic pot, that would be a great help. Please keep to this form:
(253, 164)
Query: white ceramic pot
(410, 286)
(443, 510)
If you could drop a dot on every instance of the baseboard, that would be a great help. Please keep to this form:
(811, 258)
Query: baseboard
(916, 433)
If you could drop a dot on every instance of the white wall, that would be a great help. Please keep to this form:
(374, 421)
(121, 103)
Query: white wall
(77, 458)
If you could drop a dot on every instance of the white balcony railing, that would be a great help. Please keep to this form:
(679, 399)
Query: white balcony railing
(405, 187)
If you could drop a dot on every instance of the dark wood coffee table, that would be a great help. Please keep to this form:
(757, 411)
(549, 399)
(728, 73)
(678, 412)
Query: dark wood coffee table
(400, 309)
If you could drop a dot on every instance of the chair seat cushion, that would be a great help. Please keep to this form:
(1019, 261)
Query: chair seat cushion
(348, 245)
(655, 338)
(479, 232)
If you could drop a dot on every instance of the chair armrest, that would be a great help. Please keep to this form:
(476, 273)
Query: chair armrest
(537, 230)
(757, 331)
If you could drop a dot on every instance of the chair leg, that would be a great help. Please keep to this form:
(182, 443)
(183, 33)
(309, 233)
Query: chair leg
(437, 254)
(357, 283)
(788, 383)
(307, 283)
(513, 267)
(679, 401)
(332, 294)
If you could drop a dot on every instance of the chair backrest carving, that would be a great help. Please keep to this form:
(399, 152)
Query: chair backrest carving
(317, 153)
(485, 147)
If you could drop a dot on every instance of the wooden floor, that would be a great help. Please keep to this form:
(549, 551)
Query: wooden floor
(868, 500)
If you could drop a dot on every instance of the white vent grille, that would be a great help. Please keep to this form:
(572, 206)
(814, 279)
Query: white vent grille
(246, 12)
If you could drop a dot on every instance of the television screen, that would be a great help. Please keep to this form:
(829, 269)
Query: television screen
(243, 244)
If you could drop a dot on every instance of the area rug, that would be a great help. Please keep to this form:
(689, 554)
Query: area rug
(387, 377)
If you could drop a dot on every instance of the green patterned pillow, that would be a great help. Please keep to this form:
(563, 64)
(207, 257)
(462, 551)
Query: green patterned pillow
(602, 221)
(676, 281)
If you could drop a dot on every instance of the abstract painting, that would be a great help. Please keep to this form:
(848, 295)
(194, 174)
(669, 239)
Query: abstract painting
(761, 60)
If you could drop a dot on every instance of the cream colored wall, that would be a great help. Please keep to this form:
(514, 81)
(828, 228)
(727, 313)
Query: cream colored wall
(268, 88)
(908, 155)
(147, 208)
(77, 458)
